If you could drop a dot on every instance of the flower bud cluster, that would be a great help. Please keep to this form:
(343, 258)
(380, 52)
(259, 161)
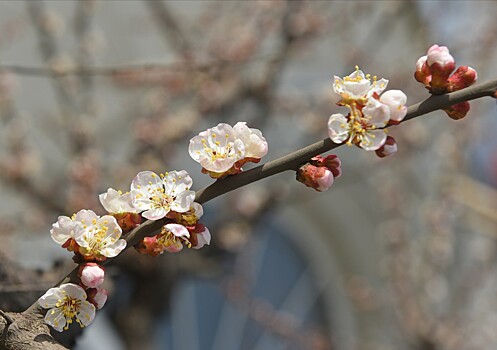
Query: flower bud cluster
(223, 149)
(436, 71)
(320, 172)
(369, 114)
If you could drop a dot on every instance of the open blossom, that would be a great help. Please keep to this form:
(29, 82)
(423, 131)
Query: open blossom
(120, 205)
(254, 143)
(358, 86)
(115, 202)
(361, 128)
(158, 195)
(223, 150)
(98, 237)
(63, 229)
(217, 149)
(66, 303)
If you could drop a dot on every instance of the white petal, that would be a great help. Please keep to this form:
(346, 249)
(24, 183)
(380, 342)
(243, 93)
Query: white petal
(56, 319)
(421, 61)
(374, 140)
(377, 113)
(50, 298)
(155, 214)
(86, 216)
(74, 291)
(197, 210)
(86, 313)
(338, 128)
(183, 201)
(145, 179)
(112, 250)
(395, 100)
(63, 229)
(176, 182)
(254, 143)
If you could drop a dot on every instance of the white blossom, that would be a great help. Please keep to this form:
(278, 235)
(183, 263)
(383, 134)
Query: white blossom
(98, 237)
(173, 236)
(158, 195)
(115, 202)
(359, 128)
(358, 86)
(66, 303)
(63, 229)
(254, 143)
(217, 149)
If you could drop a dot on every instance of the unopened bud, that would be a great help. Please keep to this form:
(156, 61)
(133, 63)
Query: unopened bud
(97, 296)
(441, 65)
(331, 162)
(319, 178)
(458, 111)
(388, 149)
(422, 74)
(396, 101)
(91, 274)
(463, 77)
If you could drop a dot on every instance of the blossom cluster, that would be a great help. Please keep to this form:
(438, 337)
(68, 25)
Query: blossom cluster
(369, 113)
(94, 239)
(436, 71)
(223, 149)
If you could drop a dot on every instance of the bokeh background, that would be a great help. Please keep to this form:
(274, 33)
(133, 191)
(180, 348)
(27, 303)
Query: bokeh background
(399, 254)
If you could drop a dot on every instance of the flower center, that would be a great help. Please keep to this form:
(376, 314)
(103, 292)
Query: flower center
(160, 199)
(219, 152)
(69, 307)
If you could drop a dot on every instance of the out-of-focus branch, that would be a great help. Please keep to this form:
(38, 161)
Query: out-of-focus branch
(171, 29)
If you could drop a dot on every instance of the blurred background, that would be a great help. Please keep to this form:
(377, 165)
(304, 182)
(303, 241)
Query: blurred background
(399, 254)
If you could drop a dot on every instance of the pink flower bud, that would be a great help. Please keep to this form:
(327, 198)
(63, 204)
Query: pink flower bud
(319, 178)
(439, 55)
(458, 111)
(91, 274)
(97, 296)
(388, 149)
(464, 76)
(441, 65)
(422, 74)
(331, 162)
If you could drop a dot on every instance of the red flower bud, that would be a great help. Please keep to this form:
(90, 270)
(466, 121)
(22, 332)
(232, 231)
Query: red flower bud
(458, 111)
(463, 77)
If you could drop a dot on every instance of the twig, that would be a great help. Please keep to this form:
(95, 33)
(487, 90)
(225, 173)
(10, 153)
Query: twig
(293, 160)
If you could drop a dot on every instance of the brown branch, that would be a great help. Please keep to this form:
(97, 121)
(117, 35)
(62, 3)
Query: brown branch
(291, 162)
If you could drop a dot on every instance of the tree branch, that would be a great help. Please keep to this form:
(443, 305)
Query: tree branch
(291, 162)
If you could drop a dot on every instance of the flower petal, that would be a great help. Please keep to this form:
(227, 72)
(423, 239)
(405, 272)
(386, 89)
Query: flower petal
(55, 318)
(373, 140)
(338, 128)
(86, 313)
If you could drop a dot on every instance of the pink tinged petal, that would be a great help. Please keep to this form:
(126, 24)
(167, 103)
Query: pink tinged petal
(107, 199)
(440, 55)
(73, 291)
(377, 113)
(373, 140)
(338, 128)
(203, 238)
(100, 297)
(155, 214)
(395, 100)
(92, 276)
(324, 182)
(176, 247)
(177, 230)
(112, 250)
(183, 201)
(50, 298)
(55, 318)
(378, 87)
(220, 131)
(144, 181)
(254, 143)
(421, 61)
(86, 313)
